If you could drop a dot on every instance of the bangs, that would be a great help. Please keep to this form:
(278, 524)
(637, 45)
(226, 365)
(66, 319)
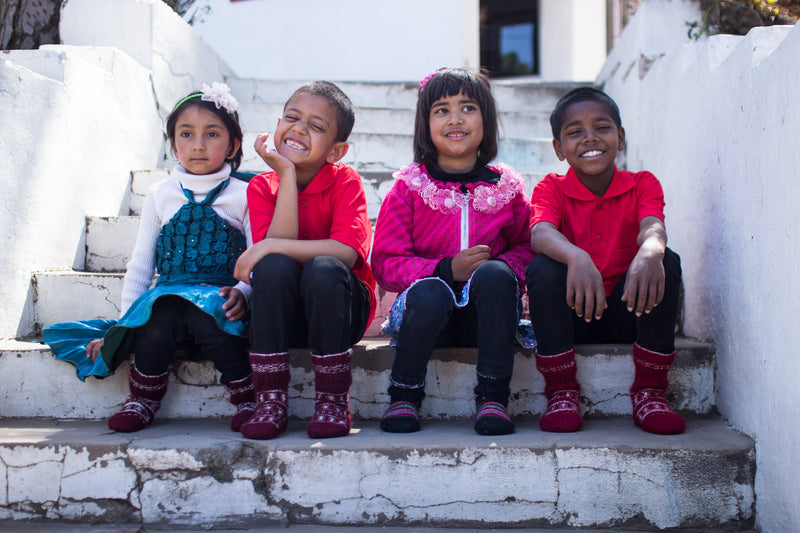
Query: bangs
(449, 83)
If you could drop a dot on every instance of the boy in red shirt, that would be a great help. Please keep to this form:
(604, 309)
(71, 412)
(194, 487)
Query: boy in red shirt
(312, 286)
(603, 272)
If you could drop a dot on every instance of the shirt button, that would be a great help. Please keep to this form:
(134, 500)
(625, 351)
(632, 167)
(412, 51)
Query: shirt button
(598, 237)
(305, 235)
(303, 204)
(599, 206)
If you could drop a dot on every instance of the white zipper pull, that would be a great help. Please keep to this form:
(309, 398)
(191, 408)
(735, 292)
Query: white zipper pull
(465, 223)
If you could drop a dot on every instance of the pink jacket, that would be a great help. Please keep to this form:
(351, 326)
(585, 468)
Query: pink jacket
(421, 220)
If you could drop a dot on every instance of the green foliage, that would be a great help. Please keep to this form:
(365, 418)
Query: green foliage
(737, 17)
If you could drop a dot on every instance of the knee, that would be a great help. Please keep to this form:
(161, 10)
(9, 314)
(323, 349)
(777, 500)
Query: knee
(545, 273)
(324, 273)
(496, 276)
(430, 295)
(672, 266)
(273, 267)
(166, 310)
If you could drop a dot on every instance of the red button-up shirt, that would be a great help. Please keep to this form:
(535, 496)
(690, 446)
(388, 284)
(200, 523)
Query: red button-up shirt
(606, 227)
(332, 206)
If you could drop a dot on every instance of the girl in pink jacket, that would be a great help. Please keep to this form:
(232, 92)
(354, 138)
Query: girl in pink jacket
(452, 239)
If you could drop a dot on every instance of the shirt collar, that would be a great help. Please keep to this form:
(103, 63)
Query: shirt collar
(321, 180)
(621, 183)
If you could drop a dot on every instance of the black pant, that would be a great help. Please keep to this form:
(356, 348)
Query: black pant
(558, 328)
(321, 305)
(176, 324)
(431, 319)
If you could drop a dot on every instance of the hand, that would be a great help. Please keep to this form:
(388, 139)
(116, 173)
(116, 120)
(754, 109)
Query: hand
(250, 258)
(235, 303)
(277, 162)
(93, 349)
(644, 285)
(466, 261)
(586, 294)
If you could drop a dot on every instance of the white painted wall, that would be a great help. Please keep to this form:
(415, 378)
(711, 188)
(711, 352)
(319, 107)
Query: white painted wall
(73, 124)
(368, 40)
(717, 122)
(572, 39)
(76, 120)
(343, 40)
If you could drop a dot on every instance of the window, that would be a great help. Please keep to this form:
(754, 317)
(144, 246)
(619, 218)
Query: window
(508, 37)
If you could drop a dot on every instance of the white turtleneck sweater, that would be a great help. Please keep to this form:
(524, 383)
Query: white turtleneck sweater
(164, 199)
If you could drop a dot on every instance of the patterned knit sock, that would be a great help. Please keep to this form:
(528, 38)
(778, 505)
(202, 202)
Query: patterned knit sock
(491, 400)
(562, 390)
(401, 417)
(145, 399)
(271, 383)
(492, 419)
(651, 411)
(242, 395)
(333, 377)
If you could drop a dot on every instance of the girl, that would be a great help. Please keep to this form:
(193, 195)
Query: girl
(452, 239)
(194, 225)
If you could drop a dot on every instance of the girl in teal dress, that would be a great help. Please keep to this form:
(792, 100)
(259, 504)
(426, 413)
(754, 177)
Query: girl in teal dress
(193, 227)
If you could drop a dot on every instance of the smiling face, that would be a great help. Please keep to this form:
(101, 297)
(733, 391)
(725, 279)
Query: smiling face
(589, 140)
(201, 142)
(306, 135)
(456, 126)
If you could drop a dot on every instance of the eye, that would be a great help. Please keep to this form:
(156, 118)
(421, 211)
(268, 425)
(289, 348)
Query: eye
(213, 134)
(573, 132)
(318, 127)
(290, 118)
(440, 111)
(185, 134)
(469, 107)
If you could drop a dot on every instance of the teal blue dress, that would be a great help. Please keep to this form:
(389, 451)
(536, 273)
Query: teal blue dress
(196, 252)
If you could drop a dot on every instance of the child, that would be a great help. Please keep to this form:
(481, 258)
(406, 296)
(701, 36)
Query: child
(452, 239)
(193, 227)
(312, 285)
(603, 273)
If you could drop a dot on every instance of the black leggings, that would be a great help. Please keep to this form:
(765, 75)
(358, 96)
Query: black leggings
(431, 319)
(558, 328)
(321, 305)
(175, 324)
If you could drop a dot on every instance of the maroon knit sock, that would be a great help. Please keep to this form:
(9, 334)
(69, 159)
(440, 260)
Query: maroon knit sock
(145, 399)
(333, 377)
(562, 390)
(243, 397)
(651, 411)
(271, 383)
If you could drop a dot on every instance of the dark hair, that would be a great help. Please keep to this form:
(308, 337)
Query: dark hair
(345, 116)
(582, 94)
(231, 121)
(448, 82)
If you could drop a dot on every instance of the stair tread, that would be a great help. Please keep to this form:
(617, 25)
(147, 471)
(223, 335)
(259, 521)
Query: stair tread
(703, 434)
(189, 472)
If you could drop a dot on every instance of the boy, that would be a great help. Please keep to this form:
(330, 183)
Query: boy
(312, 286)
(603, 272)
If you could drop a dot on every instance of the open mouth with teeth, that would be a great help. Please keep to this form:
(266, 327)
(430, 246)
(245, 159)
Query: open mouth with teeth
(592, 153)
(294, 145)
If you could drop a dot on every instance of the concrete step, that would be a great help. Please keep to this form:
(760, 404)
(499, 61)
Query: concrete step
(388, 152)
(605, 373)
(110, 242)
(197, 472)
(522, 123)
